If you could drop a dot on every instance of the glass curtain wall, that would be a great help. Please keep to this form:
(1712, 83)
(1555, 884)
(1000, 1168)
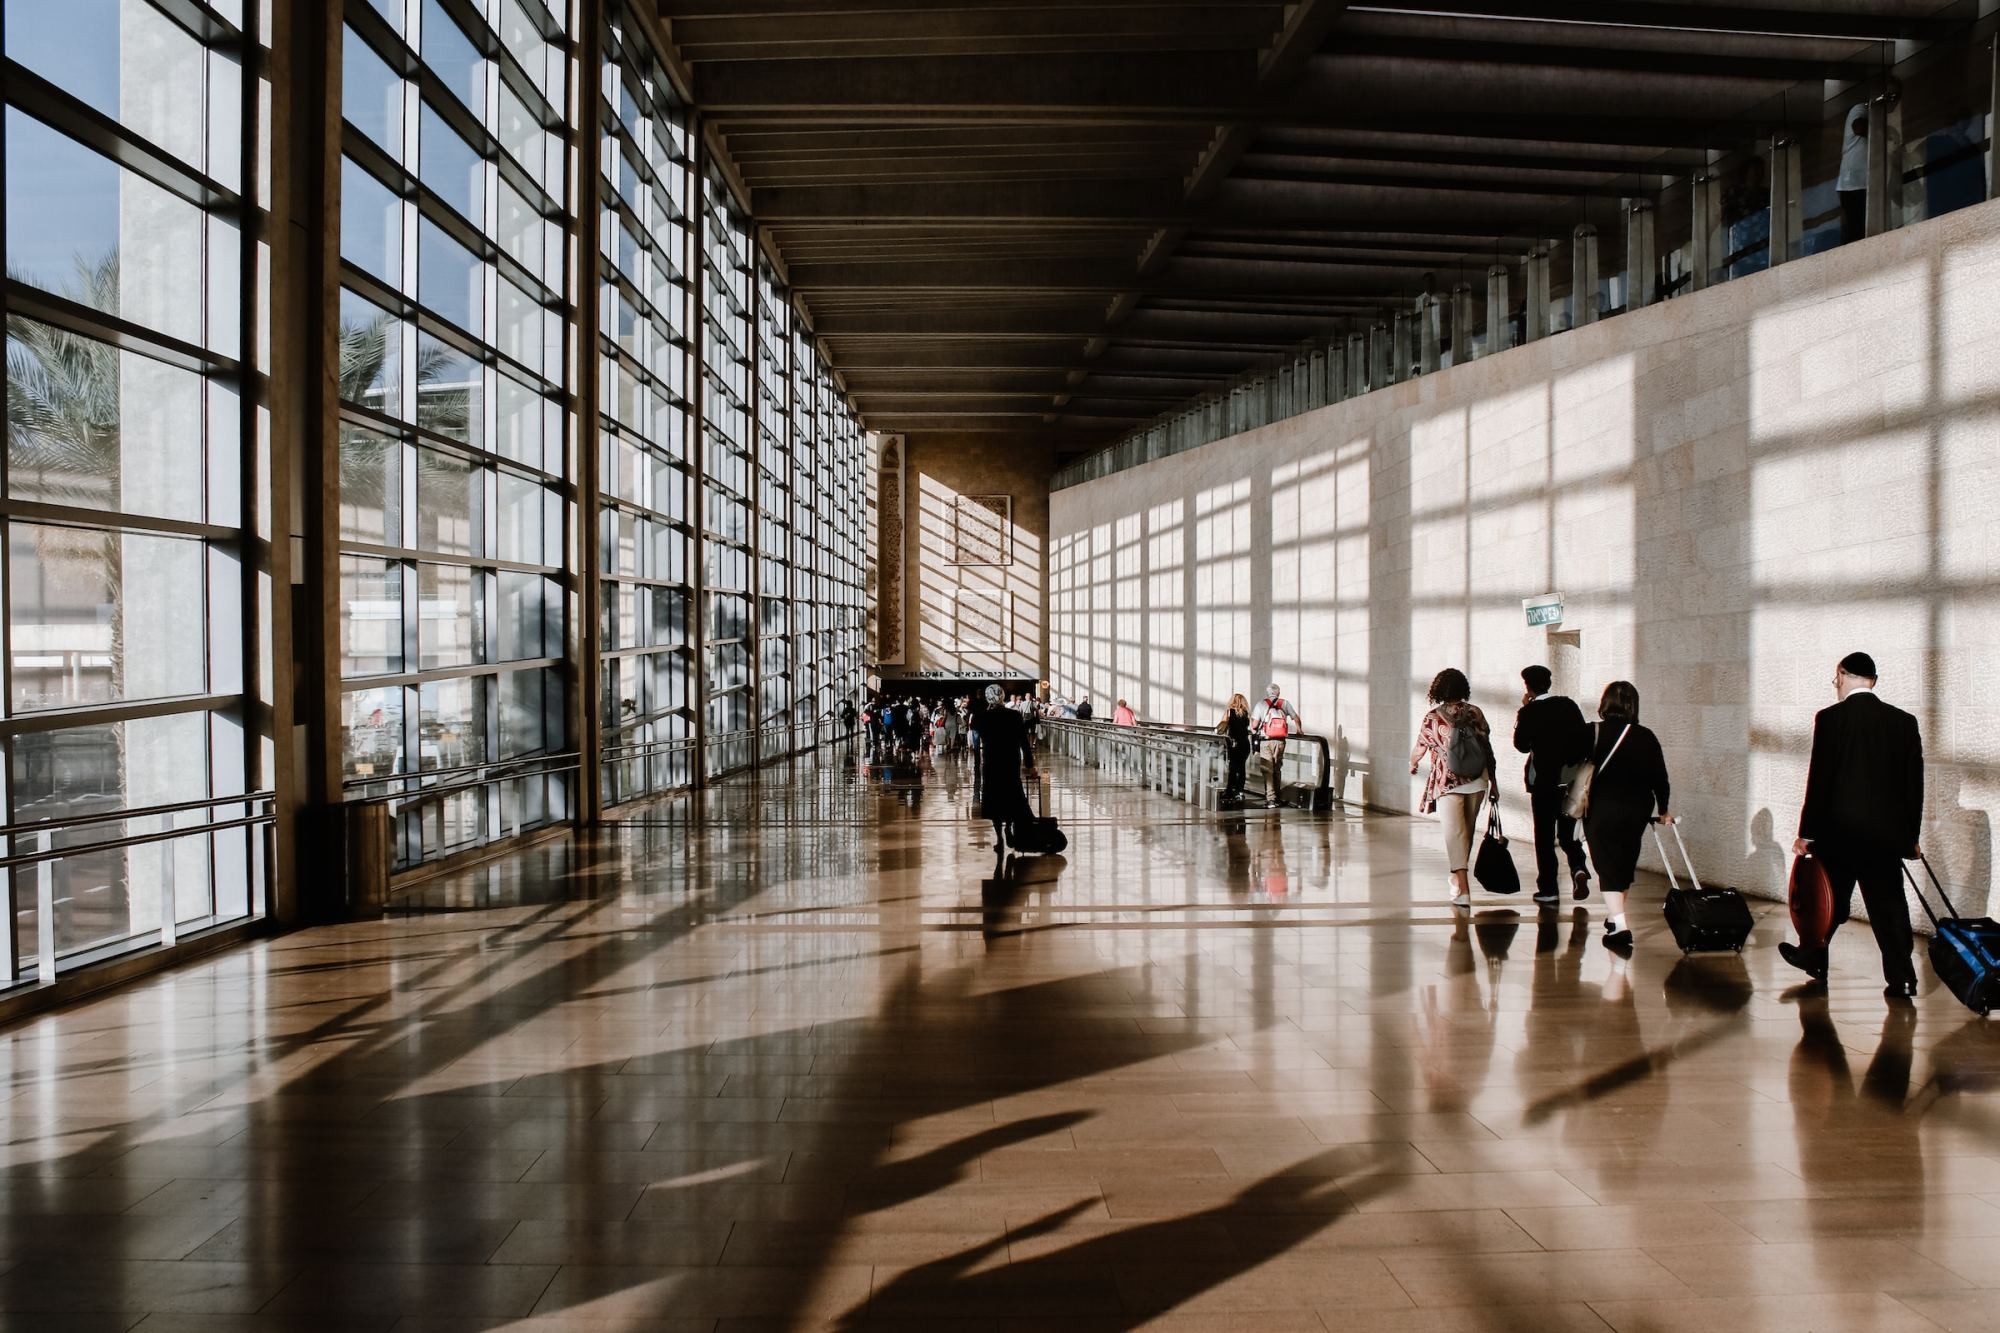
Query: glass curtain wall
(645, 469)
(728, 629)
(455, 461)
(127, 615)
(775, 517)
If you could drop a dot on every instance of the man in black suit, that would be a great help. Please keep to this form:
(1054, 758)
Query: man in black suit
(1864, 807)
(1550, 730)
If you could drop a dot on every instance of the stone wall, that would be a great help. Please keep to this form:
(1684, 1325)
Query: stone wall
(1731, 490)
(976, 524)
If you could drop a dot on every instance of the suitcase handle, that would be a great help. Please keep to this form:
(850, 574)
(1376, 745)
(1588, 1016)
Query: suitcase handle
(1936, 884)
(1687, 862)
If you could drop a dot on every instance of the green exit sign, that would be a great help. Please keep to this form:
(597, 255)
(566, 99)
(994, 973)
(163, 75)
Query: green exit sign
(1543, 611)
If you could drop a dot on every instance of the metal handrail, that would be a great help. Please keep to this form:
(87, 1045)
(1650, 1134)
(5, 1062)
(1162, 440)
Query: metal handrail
(504, 770)
(1318, 787)
(418, 774)
(140, 812)
(134, 840)
(641, 749)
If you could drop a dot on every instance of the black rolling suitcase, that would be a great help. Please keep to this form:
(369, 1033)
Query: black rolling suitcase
(1703, 920)
(1965, 951)
(1040, 834)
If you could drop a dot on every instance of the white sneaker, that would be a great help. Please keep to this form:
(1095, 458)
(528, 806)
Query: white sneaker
(1462, 901)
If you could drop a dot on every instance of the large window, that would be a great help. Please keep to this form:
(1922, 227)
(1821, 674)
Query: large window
(124, 587)
(778, 668)
(728, 630)
(646, 478)
(455, 454)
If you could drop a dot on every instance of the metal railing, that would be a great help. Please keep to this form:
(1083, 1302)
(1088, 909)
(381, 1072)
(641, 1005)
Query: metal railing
(1187, 766)
(1189, 763)
(437, 796)
(647, 768)
(50, 955)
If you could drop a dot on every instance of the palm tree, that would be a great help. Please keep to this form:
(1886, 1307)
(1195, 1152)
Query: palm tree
(64, 440)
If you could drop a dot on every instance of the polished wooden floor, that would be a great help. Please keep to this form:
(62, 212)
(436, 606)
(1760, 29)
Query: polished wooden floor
(795, 1056)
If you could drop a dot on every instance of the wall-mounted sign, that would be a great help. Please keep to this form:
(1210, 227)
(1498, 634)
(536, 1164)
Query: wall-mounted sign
(1544, 612)
(939, 673)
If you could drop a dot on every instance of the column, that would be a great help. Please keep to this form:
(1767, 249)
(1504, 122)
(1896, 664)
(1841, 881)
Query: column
(1787, 225)
(1535, 279)
(1642, 259)
(1461, 324)
(1583, 297)
(1701, 235)
(1497, 305)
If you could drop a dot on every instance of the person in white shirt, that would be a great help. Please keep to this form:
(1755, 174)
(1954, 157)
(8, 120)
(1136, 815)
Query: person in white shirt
(1274, 720)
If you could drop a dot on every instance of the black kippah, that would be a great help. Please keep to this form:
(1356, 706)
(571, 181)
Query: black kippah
(1859, 664)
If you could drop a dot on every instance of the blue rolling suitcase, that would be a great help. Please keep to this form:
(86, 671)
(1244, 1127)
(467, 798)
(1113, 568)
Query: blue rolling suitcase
(1965, 951)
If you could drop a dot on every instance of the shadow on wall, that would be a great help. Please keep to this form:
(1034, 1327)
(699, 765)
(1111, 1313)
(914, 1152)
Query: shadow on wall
(1730, 490)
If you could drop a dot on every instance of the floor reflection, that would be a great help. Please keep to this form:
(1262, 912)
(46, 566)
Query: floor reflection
(800, 1053)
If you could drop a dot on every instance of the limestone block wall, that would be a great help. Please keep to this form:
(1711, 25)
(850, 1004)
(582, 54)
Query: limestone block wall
(1731, 491)
(976, 525)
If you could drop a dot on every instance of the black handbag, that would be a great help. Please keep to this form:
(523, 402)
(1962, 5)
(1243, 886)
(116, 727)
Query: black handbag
(1494, 866)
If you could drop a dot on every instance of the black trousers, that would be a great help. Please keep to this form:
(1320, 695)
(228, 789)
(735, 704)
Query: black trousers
(1880, 878)
(1853, 215)
(1239, 755)
(1553, 828)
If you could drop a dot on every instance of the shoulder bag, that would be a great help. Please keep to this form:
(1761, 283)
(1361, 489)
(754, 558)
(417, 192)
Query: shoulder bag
(1577, 805)
(1494, 866)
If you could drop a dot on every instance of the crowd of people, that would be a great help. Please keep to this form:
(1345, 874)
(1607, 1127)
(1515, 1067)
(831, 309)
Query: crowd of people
(1607, 781)
(1593, 786)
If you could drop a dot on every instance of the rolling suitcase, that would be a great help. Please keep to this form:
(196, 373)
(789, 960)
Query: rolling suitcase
(1040, 834)
(1965, 951)
(1703, 920)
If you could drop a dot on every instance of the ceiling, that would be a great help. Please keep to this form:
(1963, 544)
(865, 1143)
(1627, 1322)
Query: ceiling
(1060, 218)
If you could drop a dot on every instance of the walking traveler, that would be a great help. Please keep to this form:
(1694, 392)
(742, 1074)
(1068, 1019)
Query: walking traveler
(1084, 712)
(1456, 739)
(1551, 731)
(1235, 729)
(1862, 816)
(847, 716)
(1003, 748)
(1274, 720)
(1123, 716)
(1628, 790)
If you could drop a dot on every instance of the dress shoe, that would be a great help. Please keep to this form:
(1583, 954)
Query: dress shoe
(1900, 990)
(1798, 958)
(1580, 885)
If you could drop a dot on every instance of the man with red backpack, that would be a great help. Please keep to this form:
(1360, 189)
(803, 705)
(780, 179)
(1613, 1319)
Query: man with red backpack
(1274, 720)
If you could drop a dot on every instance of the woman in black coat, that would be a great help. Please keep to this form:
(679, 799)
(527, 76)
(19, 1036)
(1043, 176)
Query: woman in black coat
(1628, 791)
(1003, 750)
(1235, 729)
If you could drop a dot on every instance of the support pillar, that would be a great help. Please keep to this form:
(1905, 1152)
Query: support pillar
(1642, 259)
(1583, 297)
(1430, 334)
(1993, 123)
(1461, 324)
(1498, 303)
(1378, 355)
(1357, 365)
(1787, 183)
(1701, 235)
(1535, 281)
(1399, 347)
(1885, 169)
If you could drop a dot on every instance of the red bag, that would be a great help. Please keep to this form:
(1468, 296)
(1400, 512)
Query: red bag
(1811, 896)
